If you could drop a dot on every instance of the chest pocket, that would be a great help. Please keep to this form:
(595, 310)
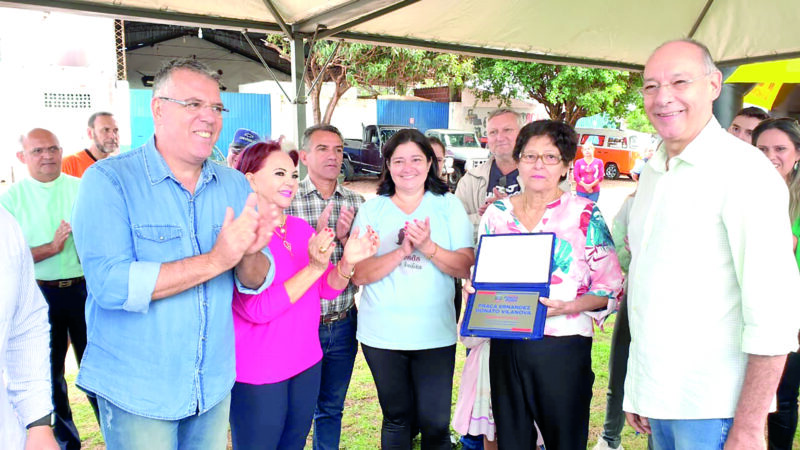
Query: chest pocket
(159, 243)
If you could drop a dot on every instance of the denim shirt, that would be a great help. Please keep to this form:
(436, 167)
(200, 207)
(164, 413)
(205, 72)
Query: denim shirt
(169, 358)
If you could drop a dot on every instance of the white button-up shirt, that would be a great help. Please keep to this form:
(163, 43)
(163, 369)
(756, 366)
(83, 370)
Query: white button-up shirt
(712, 277)
(24, 339)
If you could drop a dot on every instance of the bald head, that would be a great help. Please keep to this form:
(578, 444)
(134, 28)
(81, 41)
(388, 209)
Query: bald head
(41, 152)
(680, 86)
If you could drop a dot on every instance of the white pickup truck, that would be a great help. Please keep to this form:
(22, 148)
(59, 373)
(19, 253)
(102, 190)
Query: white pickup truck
(464, 148)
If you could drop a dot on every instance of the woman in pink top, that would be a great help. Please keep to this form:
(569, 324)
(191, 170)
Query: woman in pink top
(277, 339)
(588, 173)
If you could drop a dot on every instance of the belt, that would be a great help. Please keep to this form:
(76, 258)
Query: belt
(334, 317)
(65, 283)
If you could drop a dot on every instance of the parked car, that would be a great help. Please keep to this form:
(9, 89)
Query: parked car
(464, 148)
(618, 149)
(366, 155)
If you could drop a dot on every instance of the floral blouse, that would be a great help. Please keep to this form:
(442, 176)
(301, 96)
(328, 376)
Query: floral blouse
(584, 258)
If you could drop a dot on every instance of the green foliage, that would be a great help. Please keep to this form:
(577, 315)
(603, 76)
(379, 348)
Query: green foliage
(567, 92)
(636, 119)
(370, 67)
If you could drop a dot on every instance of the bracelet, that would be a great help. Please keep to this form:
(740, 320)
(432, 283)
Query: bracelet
(346, 277)
(435, 249)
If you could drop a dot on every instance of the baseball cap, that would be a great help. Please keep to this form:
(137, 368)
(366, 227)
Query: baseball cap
(244, 137)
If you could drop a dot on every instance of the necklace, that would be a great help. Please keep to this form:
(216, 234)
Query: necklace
(281, 233)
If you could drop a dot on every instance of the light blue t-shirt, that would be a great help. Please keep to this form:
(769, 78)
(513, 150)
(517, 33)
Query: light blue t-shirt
(412, 307)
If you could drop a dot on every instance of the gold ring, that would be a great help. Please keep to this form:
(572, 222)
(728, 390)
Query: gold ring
(323, 249)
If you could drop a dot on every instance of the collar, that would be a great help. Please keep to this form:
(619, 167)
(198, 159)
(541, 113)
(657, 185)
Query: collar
(307, 187)
(158, 170)
(90, 154)
(698, 151)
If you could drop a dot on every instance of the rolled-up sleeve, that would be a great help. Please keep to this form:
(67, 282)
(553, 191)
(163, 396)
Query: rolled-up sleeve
(102, 232)
(760, 239)
(267, 280)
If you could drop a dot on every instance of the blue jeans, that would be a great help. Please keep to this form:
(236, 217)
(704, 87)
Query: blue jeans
(593, 196)
(701, 434)
(275, 416)
(123, 430)
(339, 348)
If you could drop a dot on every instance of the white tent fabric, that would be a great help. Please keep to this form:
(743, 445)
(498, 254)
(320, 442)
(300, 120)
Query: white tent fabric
(620, 33)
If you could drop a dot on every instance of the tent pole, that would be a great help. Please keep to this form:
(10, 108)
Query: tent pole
(298, 70)
(730, 98)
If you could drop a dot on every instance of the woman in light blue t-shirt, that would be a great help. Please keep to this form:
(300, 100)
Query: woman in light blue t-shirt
(406, 317)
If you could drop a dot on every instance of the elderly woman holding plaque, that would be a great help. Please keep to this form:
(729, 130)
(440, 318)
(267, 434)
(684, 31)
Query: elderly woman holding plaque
(406, 318)
(549, 381)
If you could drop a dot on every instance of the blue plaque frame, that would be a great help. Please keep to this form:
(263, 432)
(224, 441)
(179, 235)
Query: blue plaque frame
(542, 288)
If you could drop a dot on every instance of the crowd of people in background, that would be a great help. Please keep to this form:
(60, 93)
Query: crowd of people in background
(199, 297)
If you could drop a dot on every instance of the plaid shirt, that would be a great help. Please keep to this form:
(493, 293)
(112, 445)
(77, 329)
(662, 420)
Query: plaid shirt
(308, 205)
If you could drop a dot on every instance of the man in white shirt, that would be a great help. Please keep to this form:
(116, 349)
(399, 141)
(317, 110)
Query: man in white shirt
(25, 397)
(713, 281)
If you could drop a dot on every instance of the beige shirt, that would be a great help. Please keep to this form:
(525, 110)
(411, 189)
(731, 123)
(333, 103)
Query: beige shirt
(712, 277)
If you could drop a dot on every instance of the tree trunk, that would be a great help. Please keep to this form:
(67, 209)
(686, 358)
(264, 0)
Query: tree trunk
(337, 94)
(313, 98)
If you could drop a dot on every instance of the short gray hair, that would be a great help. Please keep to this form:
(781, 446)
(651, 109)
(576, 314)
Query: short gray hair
(319, 127)
(501, 111)
(171, 66)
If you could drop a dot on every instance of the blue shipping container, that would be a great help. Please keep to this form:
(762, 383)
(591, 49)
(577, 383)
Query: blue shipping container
(426, 115)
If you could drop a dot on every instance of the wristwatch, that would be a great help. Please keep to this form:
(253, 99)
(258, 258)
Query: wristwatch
(49, 420)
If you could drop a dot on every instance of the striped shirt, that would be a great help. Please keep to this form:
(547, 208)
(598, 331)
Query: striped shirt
(308, 204)
(25, 391)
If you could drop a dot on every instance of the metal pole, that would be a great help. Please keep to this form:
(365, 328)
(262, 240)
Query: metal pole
(298, 69)
(730, 98)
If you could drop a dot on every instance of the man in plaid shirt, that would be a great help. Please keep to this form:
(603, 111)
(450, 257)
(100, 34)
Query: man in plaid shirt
(323, 202)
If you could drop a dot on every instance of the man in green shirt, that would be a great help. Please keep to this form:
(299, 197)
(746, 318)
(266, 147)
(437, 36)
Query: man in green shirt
(42, 204)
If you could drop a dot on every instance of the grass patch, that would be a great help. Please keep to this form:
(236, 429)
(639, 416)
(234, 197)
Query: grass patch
(361, 425)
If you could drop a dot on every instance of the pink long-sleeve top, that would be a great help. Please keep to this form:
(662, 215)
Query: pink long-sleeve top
(275, 338)
(588, 173)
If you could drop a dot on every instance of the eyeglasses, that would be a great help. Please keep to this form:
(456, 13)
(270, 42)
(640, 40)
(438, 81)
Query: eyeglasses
(548, 159)
(196, 105)
(651, 88)
(52, 150)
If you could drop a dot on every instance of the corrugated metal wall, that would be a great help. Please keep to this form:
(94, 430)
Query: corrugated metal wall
(250, 111)
(426, 115)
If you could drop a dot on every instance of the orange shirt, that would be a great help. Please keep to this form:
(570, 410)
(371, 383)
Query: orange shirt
(76, 164)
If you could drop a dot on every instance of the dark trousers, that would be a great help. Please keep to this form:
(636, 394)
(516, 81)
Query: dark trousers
(276, 415)
(339, 348)
(66, 312)
(617, 369)
(414, 387)
(782, 423)
(548, 381)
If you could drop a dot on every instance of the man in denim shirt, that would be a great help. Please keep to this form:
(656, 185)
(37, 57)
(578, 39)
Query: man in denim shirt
(156, 234)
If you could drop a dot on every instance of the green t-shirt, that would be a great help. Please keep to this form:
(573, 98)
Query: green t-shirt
(39, 208)
(796, 232)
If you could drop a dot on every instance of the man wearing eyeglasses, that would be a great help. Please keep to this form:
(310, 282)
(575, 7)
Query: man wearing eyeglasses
(42, 205)
(156, 233)
(713, 281)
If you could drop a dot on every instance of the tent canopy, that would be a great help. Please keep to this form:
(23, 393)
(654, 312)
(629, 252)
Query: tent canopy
(619, 34)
